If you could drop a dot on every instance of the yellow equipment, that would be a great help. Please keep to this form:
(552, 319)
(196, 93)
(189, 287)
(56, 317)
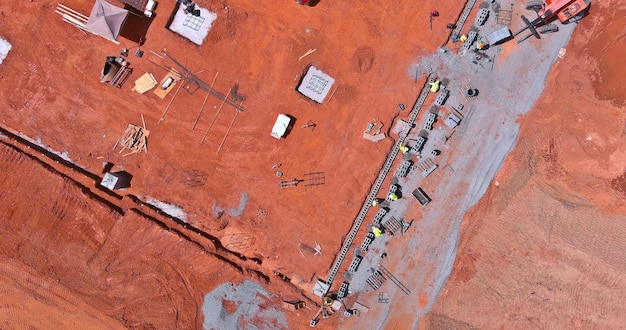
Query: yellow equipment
(434, 86)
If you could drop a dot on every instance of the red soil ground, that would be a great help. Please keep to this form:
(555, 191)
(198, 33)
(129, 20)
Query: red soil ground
(119, 261)
(75, 255)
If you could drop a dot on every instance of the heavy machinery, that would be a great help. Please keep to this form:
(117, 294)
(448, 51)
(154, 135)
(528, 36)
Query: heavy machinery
(548, 12)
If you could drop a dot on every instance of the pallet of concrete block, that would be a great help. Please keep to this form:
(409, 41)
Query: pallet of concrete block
(442, 97)
(379, 215)
(419, 143)
(481, 17)
(427, 167)
(354, 265)
(392, 189)
(403, 170)
(421, 196)
(471, 37)
(367, 241)
(430, 120)
(343, 290)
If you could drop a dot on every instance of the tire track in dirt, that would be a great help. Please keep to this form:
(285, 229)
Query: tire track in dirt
(61, 307)
(118, 253)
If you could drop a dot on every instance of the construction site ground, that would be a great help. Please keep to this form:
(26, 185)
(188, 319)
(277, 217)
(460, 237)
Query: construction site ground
(205, 220)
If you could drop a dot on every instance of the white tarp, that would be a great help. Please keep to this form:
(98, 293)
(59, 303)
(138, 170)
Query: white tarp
(498, 36)
(280, 127)
(316, 84)
(5, 47)
(194, 28)
(106, 19)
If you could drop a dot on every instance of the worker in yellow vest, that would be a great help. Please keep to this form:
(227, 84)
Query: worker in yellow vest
(404, 149)
(393, 197)
(463, 38)
(480, 46)
(434, 86)
(377, 232)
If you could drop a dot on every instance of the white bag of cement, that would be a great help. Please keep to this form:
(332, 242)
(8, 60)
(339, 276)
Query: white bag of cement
(5, 47)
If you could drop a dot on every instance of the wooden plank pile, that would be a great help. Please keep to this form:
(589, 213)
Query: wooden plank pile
(134, 138)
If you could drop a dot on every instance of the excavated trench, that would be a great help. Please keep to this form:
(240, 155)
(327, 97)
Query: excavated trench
(162, 219)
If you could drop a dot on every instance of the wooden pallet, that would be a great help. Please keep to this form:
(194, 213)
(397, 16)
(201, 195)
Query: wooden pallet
(504, 17)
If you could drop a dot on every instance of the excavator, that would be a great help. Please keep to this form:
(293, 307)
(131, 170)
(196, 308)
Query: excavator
(547, 12)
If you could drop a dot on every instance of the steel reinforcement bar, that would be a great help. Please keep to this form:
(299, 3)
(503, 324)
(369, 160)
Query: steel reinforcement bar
(379, 182)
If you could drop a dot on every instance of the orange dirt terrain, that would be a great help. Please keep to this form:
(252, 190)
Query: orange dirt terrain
(204, 207)
(545, 246)
(206, 237)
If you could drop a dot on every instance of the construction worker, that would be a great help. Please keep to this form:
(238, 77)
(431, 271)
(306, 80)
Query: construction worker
(434, 86)
(375, 202)
(393, 197)
(480, 46)
(404, 149)
(463, 38)
(377, 232)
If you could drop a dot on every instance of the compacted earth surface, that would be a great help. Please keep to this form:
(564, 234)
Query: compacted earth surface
(544, 248)
(205, 236)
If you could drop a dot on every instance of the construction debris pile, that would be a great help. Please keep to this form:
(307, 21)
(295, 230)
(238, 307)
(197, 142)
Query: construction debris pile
(134, 138)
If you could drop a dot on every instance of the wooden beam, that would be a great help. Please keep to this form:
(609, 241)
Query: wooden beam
(215, 117)
(228, 131)
(203, 103)
(171, 101)
(311, 51)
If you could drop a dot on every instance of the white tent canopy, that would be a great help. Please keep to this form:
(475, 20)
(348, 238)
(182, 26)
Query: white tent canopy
(106, 19)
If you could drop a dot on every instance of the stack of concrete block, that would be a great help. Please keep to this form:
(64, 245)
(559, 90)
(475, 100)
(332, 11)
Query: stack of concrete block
(392, 189)
(482, 16)
(419, 144)
(430, 120)
(404, 168)
(471, 37)
(354, 265)
(343, 290)
(442, 97)
(379, 216)
(367, 241)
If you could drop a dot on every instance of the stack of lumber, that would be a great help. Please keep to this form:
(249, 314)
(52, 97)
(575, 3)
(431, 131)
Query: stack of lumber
(145, 83)
(134, 138)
